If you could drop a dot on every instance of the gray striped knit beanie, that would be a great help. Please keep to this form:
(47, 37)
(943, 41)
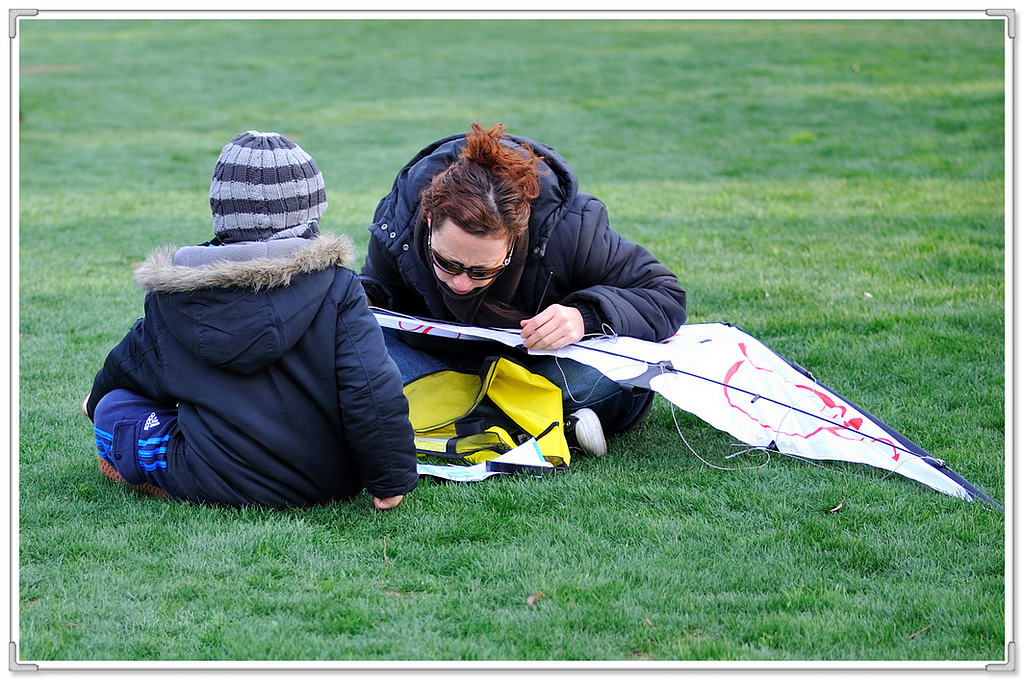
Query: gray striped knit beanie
(266, 187)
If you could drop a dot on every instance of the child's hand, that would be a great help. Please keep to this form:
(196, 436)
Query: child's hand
(85, 405)
(387, 503)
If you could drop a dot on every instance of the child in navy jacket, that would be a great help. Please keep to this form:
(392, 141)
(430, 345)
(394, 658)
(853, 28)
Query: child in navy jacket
(258, 375)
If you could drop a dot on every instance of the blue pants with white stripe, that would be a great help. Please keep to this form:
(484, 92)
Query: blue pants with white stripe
(132, 433)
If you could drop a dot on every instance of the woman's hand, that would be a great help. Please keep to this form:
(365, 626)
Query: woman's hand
(554, 328)
(387, 503)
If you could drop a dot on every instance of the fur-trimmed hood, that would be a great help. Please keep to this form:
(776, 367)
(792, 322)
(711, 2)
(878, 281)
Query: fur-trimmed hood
(253, 264)
(242, 306)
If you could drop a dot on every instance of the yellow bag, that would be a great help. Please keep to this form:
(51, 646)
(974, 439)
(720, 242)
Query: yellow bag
(444, 408)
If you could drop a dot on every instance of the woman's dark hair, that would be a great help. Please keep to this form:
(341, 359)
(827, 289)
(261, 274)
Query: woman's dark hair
(488, 189)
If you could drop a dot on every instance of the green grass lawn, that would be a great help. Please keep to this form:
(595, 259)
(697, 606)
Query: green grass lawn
(835, 188)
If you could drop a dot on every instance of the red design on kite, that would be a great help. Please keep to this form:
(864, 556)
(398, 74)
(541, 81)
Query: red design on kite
(422, 328)
(825, 408)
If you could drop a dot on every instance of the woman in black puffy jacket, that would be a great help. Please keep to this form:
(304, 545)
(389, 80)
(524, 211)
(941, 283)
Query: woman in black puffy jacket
(490, 229)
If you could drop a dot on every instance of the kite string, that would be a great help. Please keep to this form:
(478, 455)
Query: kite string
(607, 333)
(679, 430)
(696, 455)
(568, 388)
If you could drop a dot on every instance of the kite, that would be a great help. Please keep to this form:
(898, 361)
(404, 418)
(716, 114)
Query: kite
(735, 383)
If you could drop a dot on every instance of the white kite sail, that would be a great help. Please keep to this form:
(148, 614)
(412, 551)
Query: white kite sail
(734, 382)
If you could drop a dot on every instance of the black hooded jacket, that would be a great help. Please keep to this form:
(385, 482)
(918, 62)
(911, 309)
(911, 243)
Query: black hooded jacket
(286, 392)
(574, 257)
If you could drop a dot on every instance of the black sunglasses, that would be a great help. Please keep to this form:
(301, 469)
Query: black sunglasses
(475, 273)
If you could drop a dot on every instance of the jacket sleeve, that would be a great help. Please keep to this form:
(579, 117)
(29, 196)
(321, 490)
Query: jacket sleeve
(619, 283)
(374, 410)
(133, 364)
